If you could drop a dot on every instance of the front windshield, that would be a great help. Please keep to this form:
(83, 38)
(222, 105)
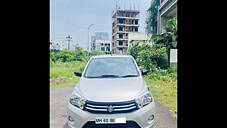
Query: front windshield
(111, 67)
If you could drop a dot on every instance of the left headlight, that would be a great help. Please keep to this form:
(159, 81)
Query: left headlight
(77, 101)
(144, 100)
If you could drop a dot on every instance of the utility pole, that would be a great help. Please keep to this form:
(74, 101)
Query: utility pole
(68, 38)
(88, 45)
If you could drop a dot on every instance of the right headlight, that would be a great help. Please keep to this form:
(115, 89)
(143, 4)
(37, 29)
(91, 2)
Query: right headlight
(77, 101)
(144, 99)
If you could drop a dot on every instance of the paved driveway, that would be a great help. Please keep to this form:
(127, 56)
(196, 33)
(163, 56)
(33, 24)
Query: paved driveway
(60, 96)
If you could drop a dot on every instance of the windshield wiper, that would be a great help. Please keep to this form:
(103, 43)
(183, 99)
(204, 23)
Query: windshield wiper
(130, 76)
(113, 76)
(106, 76)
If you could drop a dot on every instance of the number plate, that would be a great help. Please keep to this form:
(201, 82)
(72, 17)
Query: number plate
(110, 120)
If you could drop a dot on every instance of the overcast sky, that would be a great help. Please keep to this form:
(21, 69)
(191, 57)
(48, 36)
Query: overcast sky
(72, 17)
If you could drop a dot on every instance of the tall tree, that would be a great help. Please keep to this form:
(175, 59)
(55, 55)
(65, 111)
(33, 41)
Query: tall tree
(152, 21)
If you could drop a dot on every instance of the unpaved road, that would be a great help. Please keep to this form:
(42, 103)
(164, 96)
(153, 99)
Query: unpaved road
(59, 99)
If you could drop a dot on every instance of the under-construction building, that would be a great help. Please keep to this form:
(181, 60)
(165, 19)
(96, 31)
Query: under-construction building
(123, 22)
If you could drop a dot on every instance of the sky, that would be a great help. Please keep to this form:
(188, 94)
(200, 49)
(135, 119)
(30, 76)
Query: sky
(72, 17)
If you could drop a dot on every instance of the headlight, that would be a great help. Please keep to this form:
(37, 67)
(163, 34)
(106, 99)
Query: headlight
(144, 100)
(77, 101)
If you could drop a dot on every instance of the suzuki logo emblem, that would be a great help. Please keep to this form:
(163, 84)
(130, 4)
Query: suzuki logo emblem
(110, 109)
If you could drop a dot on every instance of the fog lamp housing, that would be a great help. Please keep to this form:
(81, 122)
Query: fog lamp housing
(150, 118)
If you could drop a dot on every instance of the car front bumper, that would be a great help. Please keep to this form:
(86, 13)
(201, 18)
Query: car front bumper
(142, 116)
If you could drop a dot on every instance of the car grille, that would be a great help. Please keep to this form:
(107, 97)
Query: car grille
(128, 124)
(110, 107)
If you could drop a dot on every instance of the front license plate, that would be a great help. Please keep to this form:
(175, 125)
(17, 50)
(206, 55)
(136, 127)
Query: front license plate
(110, 120)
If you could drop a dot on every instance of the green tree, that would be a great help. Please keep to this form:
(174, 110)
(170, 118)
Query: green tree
(66, 56)
(134, 50)
(80, 54)
(149, 56)
(151, 21)
(158, 55)
(171, 30)
(168, 39)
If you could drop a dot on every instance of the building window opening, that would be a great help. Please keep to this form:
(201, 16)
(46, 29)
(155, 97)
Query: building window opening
(108, 49)
(103, 48)
(120, 28)
(120, 42)
(120, 20)
(120, 50)
(121, 36)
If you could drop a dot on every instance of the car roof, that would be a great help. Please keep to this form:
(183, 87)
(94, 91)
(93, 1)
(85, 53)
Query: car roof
(111, 55)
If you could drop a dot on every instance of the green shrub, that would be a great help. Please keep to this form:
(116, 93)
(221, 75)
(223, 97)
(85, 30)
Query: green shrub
(96, 52)
(172, 70)
(149, 56)
(134, 50)
(162, 62)
(144, 60)
(78, 54)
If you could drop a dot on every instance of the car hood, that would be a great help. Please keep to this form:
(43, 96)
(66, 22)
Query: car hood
(110, 89)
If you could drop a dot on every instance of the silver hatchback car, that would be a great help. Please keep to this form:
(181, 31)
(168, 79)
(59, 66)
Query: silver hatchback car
(111, 93)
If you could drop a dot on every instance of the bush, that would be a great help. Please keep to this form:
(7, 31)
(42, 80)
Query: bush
(162, 62)
(79, 54)
(149, 57)
(96, 52)
(134, 50)
(172, 70)
(145, 61)
(63, 56)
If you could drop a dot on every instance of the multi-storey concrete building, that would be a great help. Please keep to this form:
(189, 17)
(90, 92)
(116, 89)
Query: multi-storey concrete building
(123, 22)
(167, 10)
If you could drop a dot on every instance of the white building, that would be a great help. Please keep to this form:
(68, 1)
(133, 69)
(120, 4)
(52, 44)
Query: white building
(57, 44)
(103, 45)
(136, 37)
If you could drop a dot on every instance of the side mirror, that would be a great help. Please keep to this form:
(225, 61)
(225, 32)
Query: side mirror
(144, 71)
(78, 73)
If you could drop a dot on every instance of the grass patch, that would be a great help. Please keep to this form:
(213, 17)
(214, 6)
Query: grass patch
(63, 84)
(65, 70)
(164, 89)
